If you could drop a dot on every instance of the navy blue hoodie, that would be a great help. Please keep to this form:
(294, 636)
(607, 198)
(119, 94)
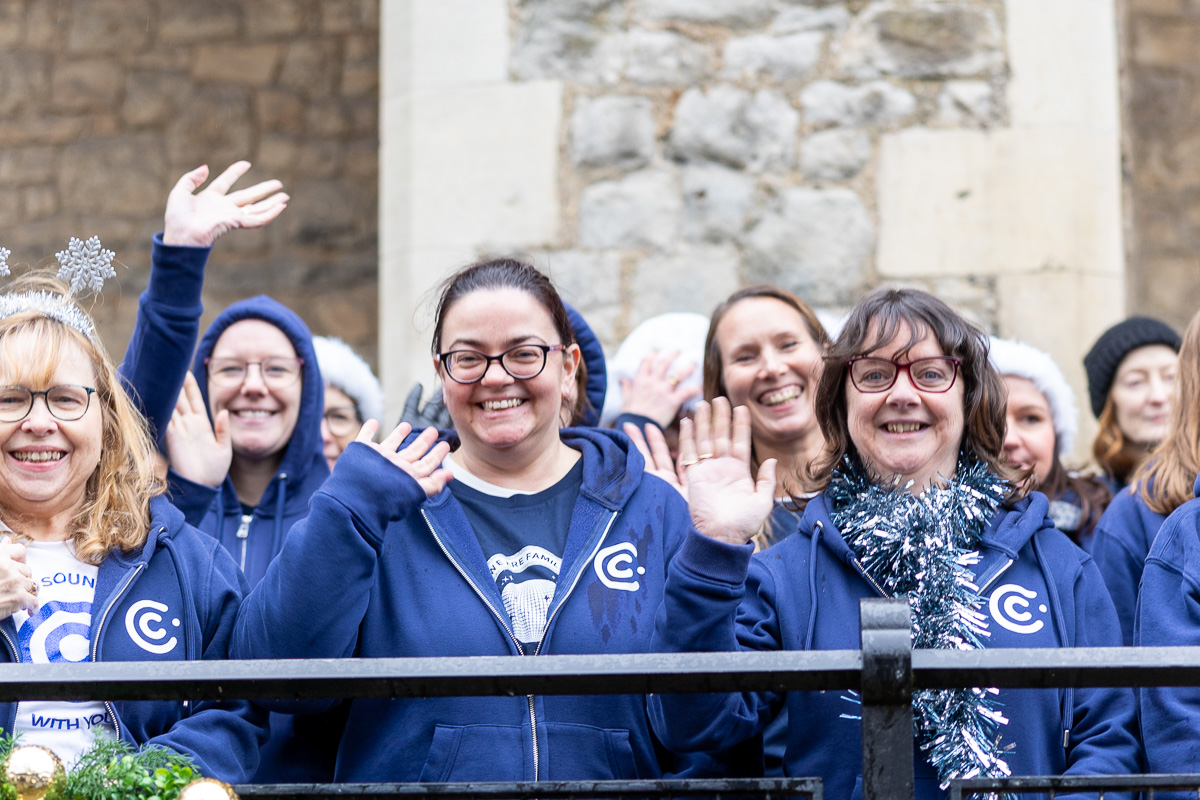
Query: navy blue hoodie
(1123, 539)
(1168, 614)
(803, 594)
(379, 570)
(183, 576)
(302, 470)
(593, 360)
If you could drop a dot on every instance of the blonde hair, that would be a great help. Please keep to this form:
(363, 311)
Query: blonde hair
(116, 508)
(1165, 480)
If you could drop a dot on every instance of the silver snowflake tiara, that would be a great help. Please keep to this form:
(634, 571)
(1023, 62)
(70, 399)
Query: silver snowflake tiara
(84, 266)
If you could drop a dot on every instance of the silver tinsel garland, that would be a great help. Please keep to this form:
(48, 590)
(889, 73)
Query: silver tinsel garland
(923, 546)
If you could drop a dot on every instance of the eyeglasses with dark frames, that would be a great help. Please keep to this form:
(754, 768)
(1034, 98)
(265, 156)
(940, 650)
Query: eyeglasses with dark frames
(278, 372)
(67, 402)
(934, 375)
(523, 362)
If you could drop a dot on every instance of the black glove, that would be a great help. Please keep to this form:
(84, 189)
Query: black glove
(433, 415)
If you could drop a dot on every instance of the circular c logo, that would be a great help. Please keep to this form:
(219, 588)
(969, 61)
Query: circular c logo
(1008, 606)
(613, 567)
(139, 620)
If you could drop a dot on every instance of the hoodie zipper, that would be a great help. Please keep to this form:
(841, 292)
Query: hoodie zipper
(503, 623)
(863, 571)
(96, 640)
(243, 533)
(16, 654)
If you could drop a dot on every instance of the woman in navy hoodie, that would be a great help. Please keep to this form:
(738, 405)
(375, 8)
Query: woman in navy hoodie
(244, 443)
(95, 565)
(1160, 485)
(548, 540)
(917, 502)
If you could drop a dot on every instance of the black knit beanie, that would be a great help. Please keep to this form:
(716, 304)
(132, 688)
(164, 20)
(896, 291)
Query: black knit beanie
(1114, 344)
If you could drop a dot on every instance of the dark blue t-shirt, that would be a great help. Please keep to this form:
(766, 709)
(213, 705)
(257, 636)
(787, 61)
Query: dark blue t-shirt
(523, 538)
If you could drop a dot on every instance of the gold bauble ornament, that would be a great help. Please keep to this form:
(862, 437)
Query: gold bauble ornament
(31, 770)
(208, 789)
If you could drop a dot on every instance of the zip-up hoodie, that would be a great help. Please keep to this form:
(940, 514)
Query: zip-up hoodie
(218, 512)
(1040, 590)
(184, 587)
(1124, 535)
(1168, 608)
(380, 570)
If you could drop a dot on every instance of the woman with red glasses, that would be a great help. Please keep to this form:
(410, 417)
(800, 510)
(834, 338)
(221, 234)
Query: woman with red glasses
(916, 502)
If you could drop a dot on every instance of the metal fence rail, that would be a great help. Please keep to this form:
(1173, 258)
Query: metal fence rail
(1100, 785)
(885, 670)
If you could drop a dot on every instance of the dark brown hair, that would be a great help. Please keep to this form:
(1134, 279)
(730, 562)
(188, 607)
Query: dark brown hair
(876, 321)
(509, 273)
(1166, 479)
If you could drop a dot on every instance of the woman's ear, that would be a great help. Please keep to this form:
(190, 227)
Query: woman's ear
(572, 357)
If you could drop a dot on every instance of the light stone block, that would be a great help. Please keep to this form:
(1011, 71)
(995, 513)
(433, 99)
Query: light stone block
(716, 202)
(922, 40)
(652, 58)
(643, 209)
(958, 202)
(612, 130)
(729, 13)
(458, 42)
(1062, 313)
(835, 155)
(803, 18)
(734, 127)
(1063, 60)
(694, 278)
(779, 58)
(484, 165)
(875, 103)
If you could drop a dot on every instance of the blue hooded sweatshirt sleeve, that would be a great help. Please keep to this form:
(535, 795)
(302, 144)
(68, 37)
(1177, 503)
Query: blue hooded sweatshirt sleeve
(168, 321)
(1123, 538)
(1168, 614)
(593, 359)
(803, 594)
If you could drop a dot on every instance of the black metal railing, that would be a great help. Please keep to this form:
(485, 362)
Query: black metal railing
(885, 671)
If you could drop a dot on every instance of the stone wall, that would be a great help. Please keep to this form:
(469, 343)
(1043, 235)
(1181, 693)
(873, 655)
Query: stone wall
(653, 155)
(105, 103)
(1162, 130)
(714, 144)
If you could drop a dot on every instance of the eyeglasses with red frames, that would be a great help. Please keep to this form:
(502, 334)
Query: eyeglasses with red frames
(935, 374)
(523, 362)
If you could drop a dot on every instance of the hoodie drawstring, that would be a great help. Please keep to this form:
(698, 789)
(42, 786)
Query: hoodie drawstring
(818, 530)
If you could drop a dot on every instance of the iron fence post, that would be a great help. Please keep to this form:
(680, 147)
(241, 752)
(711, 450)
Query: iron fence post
(887, 687)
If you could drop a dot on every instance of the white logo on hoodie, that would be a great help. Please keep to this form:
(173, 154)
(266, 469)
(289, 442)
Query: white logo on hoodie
(1009, 604)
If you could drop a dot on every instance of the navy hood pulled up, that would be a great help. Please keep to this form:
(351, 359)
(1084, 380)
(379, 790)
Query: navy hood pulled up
(254, 539)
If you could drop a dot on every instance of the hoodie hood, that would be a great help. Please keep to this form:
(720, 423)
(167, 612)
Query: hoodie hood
(593, 359)
(303, 454)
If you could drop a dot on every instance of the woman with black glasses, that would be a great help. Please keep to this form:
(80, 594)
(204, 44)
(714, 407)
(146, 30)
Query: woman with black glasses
(916, 502)
(547, 540)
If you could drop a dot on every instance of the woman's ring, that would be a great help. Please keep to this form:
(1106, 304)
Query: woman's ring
(688, 462)
(671, 379)
(33, 588)
(703, 456)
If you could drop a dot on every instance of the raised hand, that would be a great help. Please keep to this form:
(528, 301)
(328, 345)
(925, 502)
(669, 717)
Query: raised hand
(433, 415)
(197, 450)
(727, 503)
(200, 218)
(655, 390)
(17, 587)
(421, 459)
(654, 449)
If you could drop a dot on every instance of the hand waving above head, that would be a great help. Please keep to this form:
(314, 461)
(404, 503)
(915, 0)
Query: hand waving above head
(727, 502)
(421, 459)
(200, 218)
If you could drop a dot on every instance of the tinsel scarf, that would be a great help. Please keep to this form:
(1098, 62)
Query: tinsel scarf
(922, 546)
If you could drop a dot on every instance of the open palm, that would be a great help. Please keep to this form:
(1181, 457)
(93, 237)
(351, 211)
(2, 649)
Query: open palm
(726, 501)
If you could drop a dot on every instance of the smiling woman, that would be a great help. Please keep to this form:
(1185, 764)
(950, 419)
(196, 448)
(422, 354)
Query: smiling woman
(85, 529)
(916, 502)
(548, 540)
